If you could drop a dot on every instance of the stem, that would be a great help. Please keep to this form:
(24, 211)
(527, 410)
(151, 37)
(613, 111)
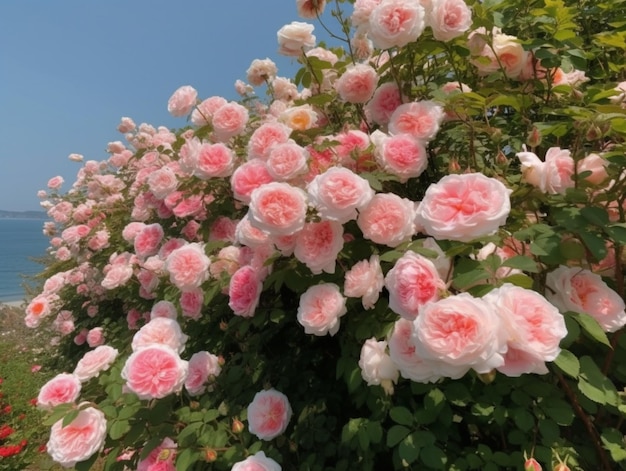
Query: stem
(593, 433)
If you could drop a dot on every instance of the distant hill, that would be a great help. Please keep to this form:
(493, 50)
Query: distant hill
(23, 214)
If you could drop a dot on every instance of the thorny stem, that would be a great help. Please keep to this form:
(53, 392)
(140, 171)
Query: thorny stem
(592, 432)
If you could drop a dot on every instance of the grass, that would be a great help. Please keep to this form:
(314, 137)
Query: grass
(26, 363)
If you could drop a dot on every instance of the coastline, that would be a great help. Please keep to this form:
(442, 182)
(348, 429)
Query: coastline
(20, 303)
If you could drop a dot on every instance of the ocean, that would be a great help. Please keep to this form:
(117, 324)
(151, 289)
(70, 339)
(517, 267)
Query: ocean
(21, 240)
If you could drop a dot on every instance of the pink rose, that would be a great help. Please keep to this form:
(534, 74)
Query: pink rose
(162, 182)
(384, 102)
(161, 331)
(287, 160)
(412, 282)
(203, 113)
(188, 266)
(161, 458)
(278, 208)
(244, 291)
(78, 440)
(318, 244)
(55, 182)
(458, 333)
(362, 11)
(182, 101)
(164, 309)
(213, 161)
(268, 414)
(95, 337)
(377, 367)
(261, 71)
(365, 280)
(258, 461)
(203, 367)
(388, 219)
(95, 361)
(357, 84)
(535, 329)
(580, 290)
(554, 175)
(116, 276)
(396, 23)
(191, 303)
(338, 193)
(248, 177)
(310, 9)
(320, 308)
(299, 118)
(62, 389)
(148, 239)
(229, 120)
(449, 19)
(38, 308)
(154, 372)
(420, 119)
(595, 164)
(295, 38)
(401, 155)
(266, 136)
(403, 353)
(464, 207)
(531, 464)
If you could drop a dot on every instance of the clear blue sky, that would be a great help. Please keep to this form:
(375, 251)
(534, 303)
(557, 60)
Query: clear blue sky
(70, 69)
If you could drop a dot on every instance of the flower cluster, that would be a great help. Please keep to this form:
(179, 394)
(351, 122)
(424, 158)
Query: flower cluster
(379, 220)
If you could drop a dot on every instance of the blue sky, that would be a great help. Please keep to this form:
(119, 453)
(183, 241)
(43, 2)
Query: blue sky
(70, 69)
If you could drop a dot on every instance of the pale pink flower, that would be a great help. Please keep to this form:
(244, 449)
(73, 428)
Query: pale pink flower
(553, 175)
(318, 244)
(261, 71)
(402, 155)
(182, 101)
(212, 161)
(62, 389)
(459, 333)
(203, 368)
(268, 414)
(94, 361)
(265, 136)
(505, 52)
(147, 240)
(130, 231)
(412, 283)
(191, 303)
(338, 193)
(320, 308)
(164, 308)
(295, 38)
(284, 90)
(403, 353)
(420, 119)
(154, 372)
(357, 84)
(384, 102)
(353, 149)
(278, 208)
(75, 157)
(203, 113)
(396, 23)
(55, 182)
(362, 10)
(287, 161)
(162, 182)
(64, 323)
(79, 440)
(299, 118)
(258, 461)
(161, 458)
(580, 290)
(362, 46)
(188, 266)
(81, 337)
(249, 176)
(225, 262)
(573, 78)
(388, 219)
(365, 280)
(160, 331)
(247, 234)
(126, 125)
(99, 240)
(74, 234)
(117, 275)
(39, 308)
(535, 329)
(377, 367)
(595, 164)
(531, 464)
(464, 207)
(310, 9)
(244, 291)
(229, 120)
(95, 337)
(449, 19)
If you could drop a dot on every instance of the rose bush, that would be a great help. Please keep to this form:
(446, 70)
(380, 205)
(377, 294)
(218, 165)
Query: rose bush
(409, 256)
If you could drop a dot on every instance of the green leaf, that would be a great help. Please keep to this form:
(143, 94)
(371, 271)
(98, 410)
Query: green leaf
(521, 262)
(185, 459)
(613, 441)
(396, 434)
(591, 326)
(595, 385)
(433, 457)
(118, 429)
(375, 431)
(568, 363)
(409, 450)
(595, 215)
(189, 434)
(464, 280)
(523, 419)
(401, 415)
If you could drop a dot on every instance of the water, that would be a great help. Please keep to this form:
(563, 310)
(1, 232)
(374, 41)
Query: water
(21, 240)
